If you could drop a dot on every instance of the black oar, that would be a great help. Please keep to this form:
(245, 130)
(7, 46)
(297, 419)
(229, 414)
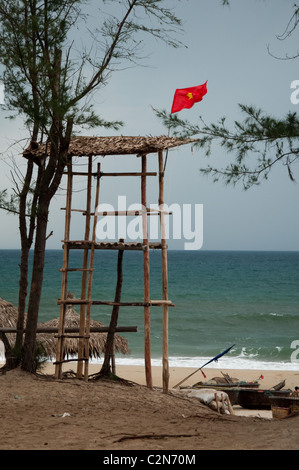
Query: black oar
(214, 359)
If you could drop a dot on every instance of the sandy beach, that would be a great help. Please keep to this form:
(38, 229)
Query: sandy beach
(40, 412)
(177, 374)
(271, 377)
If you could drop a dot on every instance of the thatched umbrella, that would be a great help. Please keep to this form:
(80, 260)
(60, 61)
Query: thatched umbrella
(97, 341)
(8, 319)
(8, 314)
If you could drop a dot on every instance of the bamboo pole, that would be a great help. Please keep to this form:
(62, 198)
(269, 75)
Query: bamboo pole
(89, 288)
(60, 344)
(84, 267)
(146, 270)
(165, 362)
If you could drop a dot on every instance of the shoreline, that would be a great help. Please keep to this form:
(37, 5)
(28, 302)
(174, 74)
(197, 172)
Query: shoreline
(136, 373)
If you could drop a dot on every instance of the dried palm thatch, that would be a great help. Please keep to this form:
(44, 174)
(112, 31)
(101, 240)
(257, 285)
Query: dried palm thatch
(8, 319)
(115, 145)
(9, 316)
(97, 341)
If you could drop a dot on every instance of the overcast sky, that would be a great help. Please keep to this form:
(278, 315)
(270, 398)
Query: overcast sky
(228, 47)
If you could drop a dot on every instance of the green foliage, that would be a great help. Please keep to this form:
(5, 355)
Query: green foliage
(258, 142)
(31, 33)
(150, 17)
(41, 356)
(48, 74)
(8, 203)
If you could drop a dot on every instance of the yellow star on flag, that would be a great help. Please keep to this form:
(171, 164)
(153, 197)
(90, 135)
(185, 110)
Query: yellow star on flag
(190, 96)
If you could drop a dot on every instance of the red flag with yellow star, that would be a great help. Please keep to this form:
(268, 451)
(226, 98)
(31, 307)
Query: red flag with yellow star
(186, 97)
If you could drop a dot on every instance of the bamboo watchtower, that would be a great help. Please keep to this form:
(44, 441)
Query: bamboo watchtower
(91, 147)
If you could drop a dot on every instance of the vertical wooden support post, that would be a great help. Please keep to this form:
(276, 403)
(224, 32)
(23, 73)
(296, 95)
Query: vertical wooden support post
(113, 368)
(89, 289)
(146, 264)
(60, 344)
(85, 272)
(165, 363)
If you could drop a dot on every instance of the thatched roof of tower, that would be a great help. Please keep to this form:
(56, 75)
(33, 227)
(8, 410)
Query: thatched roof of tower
(82, 146)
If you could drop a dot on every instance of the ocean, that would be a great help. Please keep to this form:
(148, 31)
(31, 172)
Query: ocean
(222, 298)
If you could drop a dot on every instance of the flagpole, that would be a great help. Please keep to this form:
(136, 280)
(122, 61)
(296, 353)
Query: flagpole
(184, 380)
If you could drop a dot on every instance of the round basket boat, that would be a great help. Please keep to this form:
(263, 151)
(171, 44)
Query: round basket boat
(280, 413)
(279, 405)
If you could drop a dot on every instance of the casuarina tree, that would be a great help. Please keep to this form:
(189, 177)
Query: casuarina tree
(49, 80)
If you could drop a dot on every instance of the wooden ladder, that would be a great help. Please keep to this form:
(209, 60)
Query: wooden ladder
(87, 274)
(89, 245)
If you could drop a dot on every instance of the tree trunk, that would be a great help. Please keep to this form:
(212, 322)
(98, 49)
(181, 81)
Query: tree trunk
(23, 286)
(25, 247)
(109, 348)
(28, 353)
(48, 185)
(26, 234)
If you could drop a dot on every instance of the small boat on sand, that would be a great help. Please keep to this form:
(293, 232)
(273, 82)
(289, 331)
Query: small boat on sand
(226, 384)
(260, 399)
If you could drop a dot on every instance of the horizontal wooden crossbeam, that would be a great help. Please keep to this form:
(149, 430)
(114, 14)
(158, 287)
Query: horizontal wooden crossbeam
(74, 359)
(63, 270)
(83, 173)
(129, 174)
(93, 329)
(151, 303)
(130, 213)
(137, 246)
